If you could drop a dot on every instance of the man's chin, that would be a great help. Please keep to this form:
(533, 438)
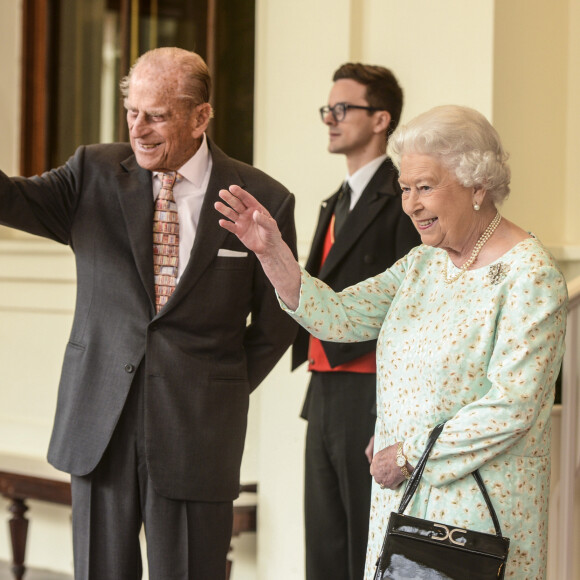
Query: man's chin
(147, 162)
(334, 147)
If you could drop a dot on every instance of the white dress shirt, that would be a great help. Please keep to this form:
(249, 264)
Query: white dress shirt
(361, 177)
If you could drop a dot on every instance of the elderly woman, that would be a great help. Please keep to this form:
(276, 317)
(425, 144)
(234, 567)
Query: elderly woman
(470, 329)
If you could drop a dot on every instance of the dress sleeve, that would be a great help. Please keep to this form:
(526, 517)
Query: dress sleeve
(514, 415)
(354, 315)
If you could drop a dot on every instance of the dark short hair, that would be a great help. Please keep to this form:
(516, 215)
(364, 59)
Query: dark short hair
(382, 88)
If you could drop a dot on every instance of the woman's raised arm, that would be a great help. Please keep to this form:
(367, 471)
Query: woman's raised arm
(258, 231)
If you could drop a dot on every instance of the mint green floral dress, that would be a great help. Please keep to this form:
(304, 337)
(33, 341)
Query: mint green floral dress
(483, 353)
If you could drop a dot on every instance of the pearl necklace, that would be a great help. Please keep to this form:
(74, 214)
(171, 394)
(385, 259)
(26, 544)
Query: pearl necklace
(480, 243)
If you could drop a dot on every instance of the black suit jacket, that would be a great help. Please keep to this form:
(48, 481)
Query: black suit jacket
(200, 356)
(375, 235)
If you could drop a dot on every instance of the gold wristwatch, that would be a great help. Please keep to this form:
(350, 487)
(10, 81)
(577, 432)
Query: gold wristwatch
(402, 461)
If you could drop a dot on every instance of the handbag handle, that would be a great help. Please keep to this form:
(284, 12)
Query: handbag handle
(413, 482)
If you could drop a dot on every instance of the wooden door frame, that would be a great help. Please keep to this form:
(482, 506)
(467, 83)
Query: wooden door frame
(34, 87)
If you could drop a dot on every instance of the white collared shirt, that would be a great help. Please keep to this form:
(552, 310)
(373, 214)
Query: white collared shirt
(189, 193)
(361, 177)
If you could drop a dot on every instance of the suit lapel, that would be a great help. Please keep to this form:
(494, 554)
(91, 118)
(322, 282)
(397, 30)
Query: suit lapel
(136, 199)
(326, 210)
(209, 236)
(379, 192)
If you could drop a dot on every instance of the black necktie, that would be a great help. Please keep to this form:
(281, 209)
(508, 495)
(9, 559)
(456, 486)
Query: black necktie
(342, 207)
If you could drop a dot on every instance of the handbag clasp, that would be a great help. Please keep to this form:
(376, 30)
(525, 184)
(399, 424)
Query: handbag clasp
(449, 534)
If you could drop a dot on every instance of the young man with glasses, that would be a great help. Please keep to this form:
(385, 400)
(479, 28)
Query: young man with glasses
(361, 231)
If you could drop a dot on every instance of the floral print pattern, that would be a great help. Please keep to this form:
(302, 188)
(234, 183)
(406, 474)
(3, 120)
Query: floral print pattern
(482, 353)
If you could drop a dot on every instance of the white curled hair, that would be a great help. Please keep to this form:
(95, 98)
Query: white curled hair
(463, 140)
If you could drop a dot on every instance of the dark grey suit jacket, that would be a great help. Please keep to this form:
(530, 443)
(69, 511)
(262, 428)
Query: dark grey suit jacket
(200, 356)
(375, 235)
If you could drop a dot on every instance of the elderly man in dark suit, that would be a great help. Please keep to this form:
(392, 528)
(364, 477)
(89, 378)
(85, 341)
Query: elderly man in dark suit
(175, 324)
(361, 231)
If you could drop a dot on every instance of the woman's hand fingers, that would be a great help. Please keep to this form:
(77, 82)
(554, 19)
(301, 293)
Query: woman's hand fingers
(241, 201)
(226, 211)
(232, 200)
(370, 449)
(247, 219)
(244, 200)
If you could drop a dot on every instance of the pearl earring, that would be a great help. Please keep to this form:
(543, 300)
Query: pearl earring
(476, 207)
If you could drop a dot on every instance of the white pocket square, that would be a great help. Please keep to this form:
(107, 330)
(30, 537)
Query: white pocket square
(231, 253)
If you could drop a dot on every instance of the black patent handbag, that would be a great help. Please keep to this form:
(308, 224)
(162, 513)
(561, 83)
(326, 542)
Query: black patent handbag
(415, 548)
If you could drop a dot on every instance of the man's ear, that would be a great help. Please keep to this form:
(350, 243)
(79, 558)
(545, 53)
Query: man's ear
(201, 116)
(383, 119)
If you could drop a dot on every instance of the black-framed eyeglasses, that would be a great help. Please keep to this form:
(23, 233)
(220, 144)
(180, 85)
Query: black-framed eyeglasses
(339, 110)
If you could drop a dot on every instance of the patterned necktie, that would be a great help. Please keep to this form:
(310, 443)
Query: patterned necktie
(165, 241)
(342, 208)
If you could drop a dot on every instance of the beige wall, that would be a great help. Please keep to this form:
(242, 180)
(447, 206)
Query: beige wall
(10, 87)
(535, 103)
(571, 249)
(516, 61)
(530, 96)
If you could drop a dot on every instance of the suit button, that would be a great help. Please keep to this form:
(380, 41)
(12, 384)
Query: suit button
(129, 368)
(153, 327)
(369, 259)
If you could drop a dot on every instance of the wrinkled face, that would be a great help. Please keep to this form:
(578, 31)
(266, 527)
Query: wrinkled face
(163, 128)
(352, 135)
(440, 207)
